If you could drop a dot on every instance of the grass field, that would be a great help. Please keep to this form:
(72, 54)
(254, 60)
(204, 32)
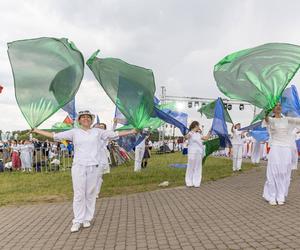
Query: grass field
(23, 188)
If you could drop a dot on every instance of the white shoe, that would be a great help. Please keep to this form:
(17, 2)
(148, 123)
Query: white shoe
(75, 227)
(97, 197)
(272, 203)
(86, 224)
(280, 202)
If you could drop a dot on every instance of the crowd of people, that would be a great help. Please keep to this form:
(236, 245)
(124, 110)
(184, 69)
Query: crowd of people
(94, 150)
(26, 155)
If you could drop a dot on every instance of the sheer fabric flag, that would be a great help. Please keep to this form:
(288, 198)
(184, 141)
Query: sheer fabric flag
(260, 134)
(178, 119)
(258, 75)
(290, 102)
(210, 147)
(70, 109)
(251, 127)
(130, 87)
(219, 126)
(131, 141)
(47, 74)
(119, 117)
(209, 111)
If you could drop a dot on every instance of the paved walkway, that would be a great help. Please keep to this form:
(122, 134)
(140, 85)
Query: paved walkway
(225, 214)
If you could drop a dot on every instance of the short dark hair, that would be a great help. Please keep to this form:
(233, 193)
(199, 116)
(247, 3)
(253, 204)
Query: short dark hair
(103, 124)
(193, 125)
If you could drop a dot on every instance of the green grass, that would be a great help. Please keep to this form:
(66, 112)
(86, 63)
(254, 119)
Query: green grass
(22, 188)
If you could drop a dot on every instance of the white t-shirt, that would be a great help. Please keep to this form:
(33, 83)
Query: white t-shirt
(237, 137)
(195, 144)
(87, 144)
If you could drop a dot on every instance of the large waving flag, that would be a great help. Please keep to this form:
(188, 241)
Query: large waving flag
(47, 74)
(260, 134)
(178, 119)
(290, 102)
(258, 75)
(219, 126)
(209, 110)
(119, 117)
(130, 87)
(70, 109)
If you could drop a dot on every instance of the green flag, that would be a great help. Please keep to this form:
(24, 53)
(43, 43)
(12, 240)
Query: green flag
(130, 87)
(258, 75)
(47, 74)
(211, 146)
(209, 111)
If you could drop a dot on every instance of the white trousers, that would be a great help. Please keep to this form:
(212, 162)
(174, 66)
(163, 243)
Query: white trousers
(278, 174)
(193, 173)
(237, 157)
(100, 179)
(255, 157)
(84, 180)
(138, 158)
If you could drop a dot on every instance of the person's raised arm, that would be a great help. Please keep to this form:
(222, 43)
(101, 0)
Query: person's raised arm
(206, 137)
(42, 132)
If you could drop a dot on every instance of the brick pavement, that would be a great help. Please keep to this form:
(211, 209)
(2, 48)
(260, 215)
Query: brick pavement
(225, 214)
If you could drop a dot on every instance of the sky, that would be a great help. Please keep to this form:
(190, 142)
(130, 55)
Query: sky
(180, 41)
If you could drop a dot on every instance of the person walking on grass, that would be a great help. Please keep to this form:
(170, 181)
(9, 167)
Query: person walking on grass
(147, 154)
(280, 156)
(87, 143)
(193, 173)
(237, 147)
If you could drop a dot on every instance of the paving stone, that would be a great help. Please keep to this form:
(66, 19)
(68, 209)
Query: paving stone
(224, 214)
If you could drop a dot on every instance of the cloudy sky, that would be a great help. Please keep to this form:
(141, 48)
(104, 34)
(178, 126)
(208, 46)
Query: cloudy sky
(179, 40)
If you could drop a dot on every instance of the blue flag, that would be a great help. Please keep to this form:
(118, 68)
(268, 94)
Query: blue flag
(298, 145)
(178, 119)
(219, 126)
(251, 127)
(260, 134)
(129, 142)
(290, 102)
(119, 117)
(70, 109)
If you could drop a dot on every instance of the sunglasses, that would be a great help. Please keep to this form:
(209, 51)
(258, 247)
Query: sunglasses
(83, 112)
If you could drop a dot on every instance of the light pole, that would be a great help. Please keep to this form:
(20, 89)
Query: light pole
(163, 101)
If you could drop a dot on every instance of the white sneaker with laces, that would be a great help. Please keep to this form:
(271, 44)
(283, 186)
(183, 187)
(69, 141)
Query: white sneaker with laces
(75, 227)
(86, 224)
(272, 203)
(280, 202)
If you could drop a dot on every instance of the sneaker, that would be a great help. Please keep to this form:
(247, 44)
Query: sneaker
(86, 224)
(272, 203)
(75, 227)
(280, 202)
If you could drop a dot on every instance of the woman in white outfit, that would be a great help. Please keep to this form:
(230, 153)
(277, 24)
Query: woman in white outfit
(26, 153)
(256, 152)
(280, 156)
(237, 147)
(193, 173)
(87, 144)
